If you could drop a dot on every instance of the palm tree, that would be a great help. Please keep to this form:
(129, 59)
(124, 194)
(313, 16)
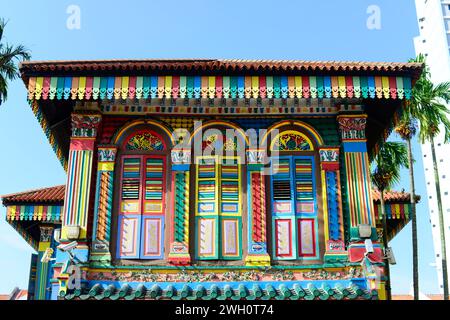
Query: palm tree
(9, 55)
(433, 116)
(391, 157)
(407, 129)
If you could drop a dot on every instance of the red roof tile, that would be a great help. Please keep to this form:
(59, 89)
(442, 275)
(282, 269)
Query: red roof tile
(393, 196)
(52, 194)
(216, 65)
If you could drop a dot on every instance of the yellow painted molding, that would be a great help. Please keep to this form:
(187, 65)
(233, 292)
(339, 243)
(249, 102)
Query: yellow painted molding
(262, 260)
(105, 166)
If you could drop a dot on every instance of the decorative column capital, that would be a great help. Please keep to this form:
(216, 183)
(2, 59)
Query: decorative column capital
(256, 157)
(85, 125)
(181, 159)
(329, 158)
(352, 127)
(106, 157)
(46, 233)
(107, 153)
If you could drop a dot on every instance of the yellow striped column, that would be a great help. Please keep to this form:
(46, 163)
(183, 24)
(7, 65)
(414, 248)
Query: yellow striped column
(357, 166)
(79, 173)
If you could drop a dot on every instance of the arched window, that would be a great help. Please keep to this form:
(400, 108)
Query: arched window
(143, 197)
(294, 207)
(219, 196)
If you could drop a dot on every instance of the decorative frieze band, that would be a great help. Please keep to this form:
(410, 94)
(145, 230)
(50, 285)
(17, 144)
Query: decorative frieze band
(234, 87)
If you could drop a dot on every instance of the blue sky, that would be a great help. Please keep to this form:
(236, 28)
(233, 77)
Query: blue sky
(264, 29)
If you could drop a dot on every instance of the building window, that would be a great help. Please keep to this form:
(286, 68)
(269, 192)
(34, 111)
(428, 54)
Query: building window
(293, 198)
(142, 196)
(219, 197)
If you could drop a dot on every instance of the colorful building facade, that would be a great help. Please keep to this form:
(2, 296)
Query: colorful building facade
(211, 179)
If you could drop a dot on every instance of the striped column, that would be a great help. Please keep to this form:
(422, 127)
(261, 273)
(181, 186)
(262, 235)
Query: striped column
(179, 226)
(332, 204)
(101, 231)
(356, 163)
(79, 173)
(43, 270)
(256, 203)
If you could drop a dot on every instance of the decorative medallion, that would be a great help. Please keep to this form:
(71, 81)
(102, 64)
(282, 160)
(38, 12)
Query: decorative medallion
(213, 142)
(291, 140)
(146, 141)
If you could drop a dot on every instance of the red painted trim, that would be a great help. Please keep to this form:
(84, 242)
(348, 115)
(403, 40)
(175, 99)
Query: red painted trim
(349, 84)
(45, 87)
(219, 86)
(393, 87)
(256, 206)
(330, 166)
(82, 144)
(185, 261)
(299, 237)
(290, 238)
(175, 86)
(305, 85)
(262, 86)
(89, 82)
(131, 86)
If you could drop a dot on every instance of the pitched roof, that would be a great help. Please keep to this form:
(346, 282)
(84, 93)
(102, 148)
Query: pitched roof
(221, 65)
(16, 294)
(45, 195)
(393, 196)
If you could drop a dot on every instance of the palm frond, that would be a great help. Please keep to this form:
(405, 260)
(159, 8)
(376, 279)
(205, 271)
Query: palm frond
(9, 56)
(391, 157)
(2, 27)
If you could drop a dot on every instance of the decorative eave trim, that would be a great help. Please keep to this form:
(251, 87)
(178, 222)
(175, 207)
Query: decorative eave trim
(31, 212)
(221, 87)
(394, 211)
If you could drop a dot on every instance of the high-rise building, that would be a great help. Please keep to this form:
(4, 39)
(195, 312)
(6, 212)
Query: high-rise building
(434, 42)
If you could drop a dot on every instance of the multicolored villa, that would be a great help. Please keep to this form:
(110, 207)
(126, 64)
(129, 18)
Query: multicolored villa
(211, 179)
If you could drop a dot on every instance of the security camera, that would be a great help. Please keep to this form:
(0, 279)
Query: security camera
(47, 256)
(57, 235)
(365, 230)
(369, 246)
(68, 246)
(389, 255)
